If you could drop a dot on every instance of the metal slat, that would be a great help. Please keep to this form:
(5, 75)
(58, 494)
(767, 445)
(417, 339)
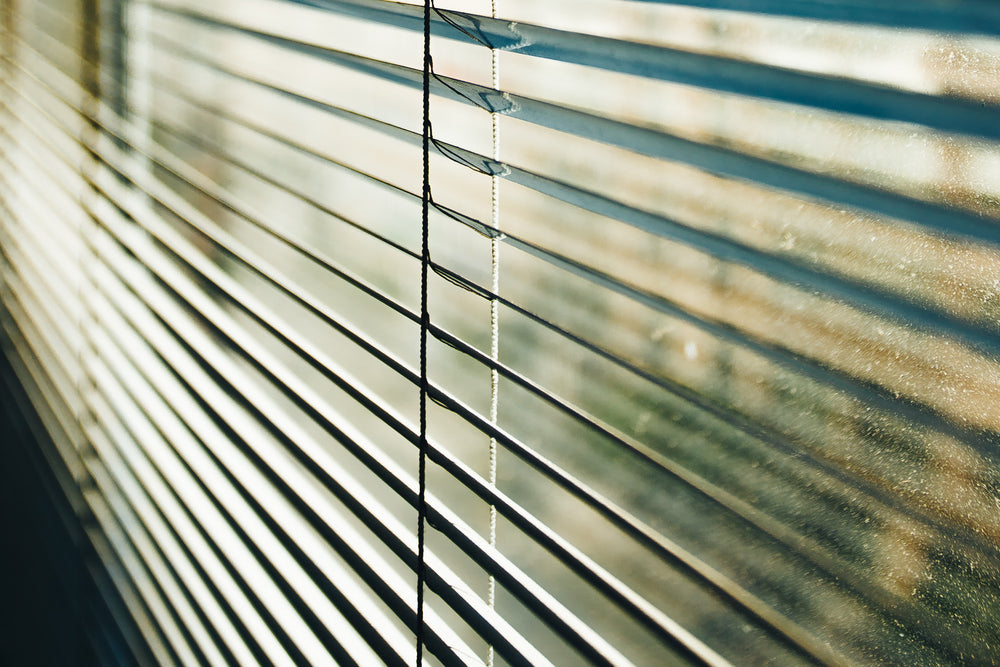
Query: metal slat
(112, 354)
(934, 218)
(230, 607)
(110, 596)
(195, 575)
(226, 460)
(353, 387)
(930, 217)
(761, 521)
(138, 550)
(973, 17)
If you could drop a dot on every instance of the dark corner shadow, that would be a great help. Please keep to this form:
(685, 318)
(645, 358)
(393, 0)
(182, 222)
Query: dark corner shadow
(50, 611)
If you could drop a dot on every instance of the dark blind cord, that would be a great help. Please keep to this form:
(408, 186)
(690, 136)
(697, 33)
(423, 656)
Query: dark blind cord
(424, 325)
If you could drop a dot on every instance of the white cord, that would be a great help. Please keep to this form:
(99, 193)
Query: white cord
(494, 316)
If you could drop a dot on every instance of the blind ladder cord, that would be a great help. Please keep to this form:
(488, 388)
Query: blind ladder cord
(424, 325)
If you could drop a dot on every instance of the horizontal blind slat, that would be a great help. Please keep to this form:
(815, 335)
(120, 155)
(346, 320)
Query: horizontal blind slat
(977, 17)
(33, 380)
(847, 383)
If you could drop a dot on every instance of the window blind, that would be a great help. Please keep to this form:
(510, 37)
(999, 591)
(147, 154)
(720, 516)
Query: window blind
(692, 359)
